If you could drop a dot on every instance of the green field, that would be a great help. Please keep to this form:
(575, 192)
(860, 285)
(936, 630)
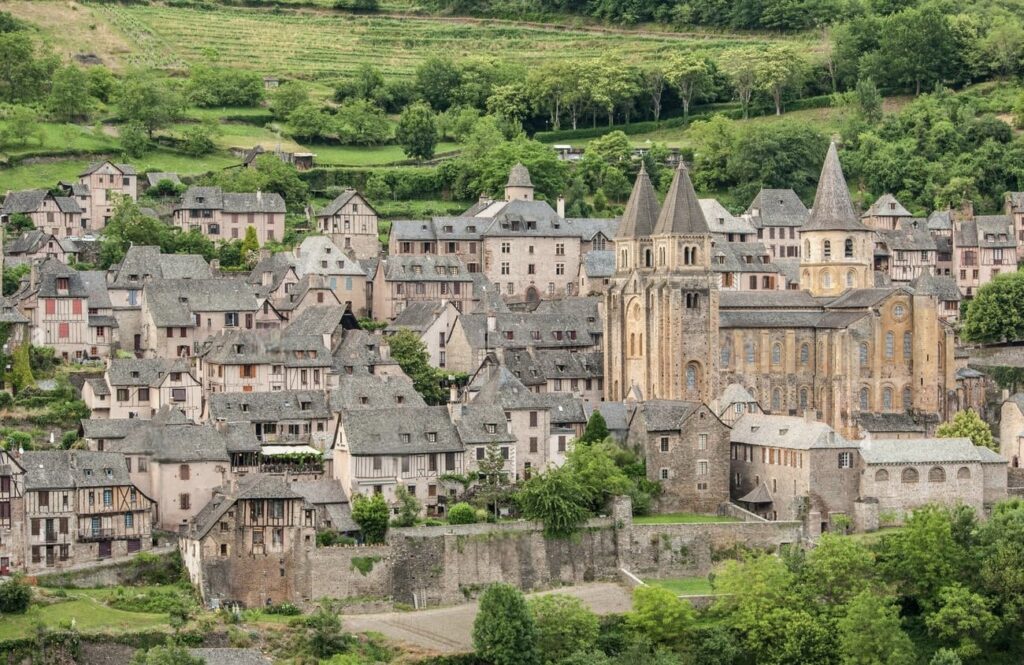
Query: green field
(86, 608)
(685, 586)
(63, 137)
(313, 45)
(682, 518)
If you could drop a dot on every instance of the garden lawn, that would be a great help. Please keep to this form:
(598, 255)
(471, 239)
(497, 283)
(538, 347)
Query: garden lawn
(685, 586)
(62, 138)
(682, 518)
(354, 155)
(90, 615)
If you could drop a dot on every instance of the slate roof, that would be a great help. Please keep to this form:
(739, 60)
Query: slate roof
(172, 302)
(174, 442)
(599, 263)
(28, 242)
(339, 202)
(417, 315)
(156, 177)
(424, 268)
(995, 231)
(722, 221)
(666, 415)
(368, 391)
(380, 431)
(908, 237)
(923, 451)
(768, 300)
(833, 209)
(358, 349)
(742, 257)
(278, 265)
(566, 409)
(473, 421)
(942, 287)
(243, 347)
(95, 284)
(272, 406)
(315, 250)
(734, 393)
(57, 469)
(888, 422)
(519, 176)
(9, 313)
(642, 209)
(550, 319)
(887, 206)
(144, 371)
(126, 169)
(497, 385)
(940, 220)
(589, 227)
(681, 212)
(616, 415)
(792, 432)
(316, 320)
(146, 262)
(50, 271)
(213, 198)
(777, 207)
(514, 218)
(25, 201)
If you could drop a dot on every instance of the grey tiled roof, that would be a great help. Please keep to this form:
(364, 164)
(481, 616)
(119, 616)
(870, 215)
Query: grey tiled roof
(681, 211)
(922, 451)
(887, 206)
(777, 207)
(95, 284)
(666, 415)
(417, 315)
(314, 251)
(942, 287)
(940, 220)
(269, 406)
(833, 208)
(368, 391)
(995, 231)
(24, 201)
(172, 302)
(143, 372)
(146, 262)
(28, 242)
(335, 206)
(742, 257)
(382, 432)
(909, 238)
(642, 209)
(786, 432)
(316, 320)
(56, 469)
(424, 268)
(277, 347)
(519, 176)
(213, 198)
(497, 385)
(475, 423)
(721, 220)
(185, 442)
(566, 409)
(599, 263)
(126, 169)
(50, 271)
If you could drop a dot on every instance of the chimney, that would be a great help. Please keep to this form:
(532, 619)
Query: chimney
(560, 206)
(384, 349)
(1006, 394)
(453, 390)
(33, 276)
(259, 196)
(811, 415)
(492, 323)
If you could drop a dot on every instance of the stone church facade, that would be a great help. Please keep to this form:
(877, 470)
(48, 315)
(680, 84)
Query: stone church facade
(840, 346)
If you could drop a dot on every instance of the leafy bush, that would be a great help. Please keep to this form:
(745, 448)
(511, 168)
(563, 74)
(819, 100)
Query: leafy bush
(371, 514)
(330, 537)
(462, 513)
(15, 596)
(284, 609)
(156, 601)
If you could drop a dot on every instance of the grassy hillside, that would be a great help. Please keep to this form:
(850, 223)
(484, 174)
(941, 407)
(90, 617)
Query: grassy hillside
(314, 44)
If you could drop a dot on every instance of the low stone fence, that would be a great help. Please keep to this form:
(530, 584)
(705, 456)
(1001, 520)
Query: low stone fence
(732, 510)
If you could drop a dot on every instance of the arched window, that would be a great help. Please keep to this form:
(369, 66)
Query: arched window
(726, 354)
(648, 258)
(864, 354)
(776, 354)
(908, 347)
(909, 475)
(936, 474)
(865, 399)
(624, 258)
(826, 280)
(661, 256)
(691, 377)
(632, 344)
(848, 248)
(881, 476)
(889, 342)
(750, 351)
(776, 400)
(887, 399)
(826, 250)
(851, 278)
(803, 398)
(908, 399)
(807, 249)
(805, 354)
(963, 473)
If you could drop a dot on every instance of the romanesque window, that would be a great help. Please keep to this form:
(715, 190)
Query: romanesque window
(648, 258)
(908, 347)
(848, 248)
(865, 399)
(889, 342)
(749, 350)
(963, 473)
(726, 353)
(908, 399)
(851, 278)
(776, 400)
(692, 300)
(936, 474)
(624, 258)
(826, 250)
(909, 475)
(864, 354)
(826, 280)
(803, 398)
(661, 256)
(776, 354)
(881, 476)
(691, 377)
(805, 354)
(807, 249)
(887, 399)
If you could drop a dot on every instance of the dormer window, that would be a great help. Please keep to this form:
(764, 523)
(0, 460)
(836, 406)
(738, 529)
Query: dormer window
(491, 428)
(721, 220)
(471, 229)
(200, 199)
(87, 472)
(405, 438)
(448, 229)
(62, 283)
(133, 278)
(782, 432)
(182, 298)
(341, 264)
(323, 264)
(440, 270)
(747, 258)
(892, 206)
(432, 437)
(305, 406)
(245, 407)
(363, 399)
(109, 473)
(531, 226)
(134, 374)
(399, 399)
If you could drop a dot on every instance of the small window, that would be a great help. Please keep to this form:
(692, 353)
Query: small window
(881, 476)
(909, 475)
(936, 475)
(845, 460)
(664, 444)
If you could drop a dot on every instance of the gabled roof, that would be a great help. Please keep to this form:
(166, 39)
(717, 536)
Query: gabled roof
(125, 169)
(316, 251)
(833, 209)
(722, 221)
(666, 415)
(28, 242)
(791, 432)
(681, 212)
(335, 206)
(269, 406)
(426, 268)
(777, 207)
(58, 469)
(942, 287)
(144, 371)
(145, 262)
(497, 385)
(482, 424)
(887, 206)
(642, 209)
(417, 315)
(172, 302)
(25, 201)
(405, 431)
(213, 198)
(368, 391)
(519, 176)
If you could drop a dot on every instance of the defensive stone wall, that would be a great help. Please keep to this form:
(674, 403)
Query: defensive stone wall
(352, 572)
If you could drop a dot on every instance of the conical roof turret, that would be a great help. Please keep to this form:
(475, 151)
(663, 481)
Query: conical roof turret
(641, 209)
(681, 212)
(833, 209)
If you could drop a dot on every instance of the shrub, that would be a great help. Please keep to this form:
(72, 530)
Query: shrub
(155, 601)
(284, 609)
(461, 513)
(15, 596)
(330, 537)
(371, 514)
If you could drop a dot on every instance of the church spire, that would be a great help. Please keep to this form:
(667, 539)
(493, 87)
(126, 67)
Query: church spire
(681, 212)
(641, 209)
(833, 209)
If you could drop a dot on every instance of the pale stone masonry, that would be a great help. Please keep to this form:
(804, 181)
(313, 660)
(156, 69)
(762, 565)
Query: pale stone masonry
(133, 388)
(104, 183)
(350, 222)
(225, 216)
(59, 216)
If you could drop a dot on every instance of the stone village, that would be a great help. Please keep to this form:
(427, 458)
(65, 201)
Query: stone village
(786, 368)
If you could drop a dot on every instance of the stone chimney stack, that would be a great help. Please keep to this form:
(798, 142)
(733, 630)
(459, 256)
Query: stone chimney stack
(560, 206)
(811, 415)
(259, 196)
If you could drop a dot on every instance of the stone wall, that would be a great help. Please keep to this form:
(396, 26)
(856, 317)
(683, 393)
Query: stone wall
(352, 572)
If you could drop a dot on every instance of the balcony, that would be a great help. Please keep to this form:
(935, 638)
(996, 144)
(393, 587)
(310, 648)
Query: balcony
(50, 536)
(86, 535)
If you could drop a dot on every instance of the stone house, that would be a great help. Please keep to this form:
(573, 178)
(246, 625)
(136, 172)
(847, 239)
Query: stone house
(481, 426)
(105, 182)
(793, 468)
(250, 544)
(13, 552)
(746, 266)
(36, 246)
(223, 215)
(686, 448)
(350, 222)
(559, 371)
(1013, 207)
(886, 214)
(891, 426)
(59, 216)
(178, 315)
(1011, 429)
(292, 416)
(778, 215)
(596, 268)
(247, 362)
(433, 322)
(132, 388)
(945, 291)
(318, 255)
(376, 452)
(401, 280)
(80, 507)
(310, 291)
(983, 247)
(141, 265)
(907, 251)
(726, 226)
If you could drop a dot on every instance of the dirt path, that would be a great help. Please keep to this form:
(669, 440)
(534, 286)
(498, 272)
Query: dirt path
(449, 629)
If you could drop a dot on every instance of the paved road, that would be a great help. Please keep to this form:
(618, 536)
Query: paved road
(449, 629)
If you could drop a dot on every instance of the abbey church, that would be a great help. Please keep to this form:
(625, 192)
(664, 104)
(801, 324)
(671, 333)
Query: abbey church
(840, 346)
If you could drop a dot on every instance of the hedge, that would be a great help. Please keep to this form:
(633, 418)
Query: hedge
(408, 181)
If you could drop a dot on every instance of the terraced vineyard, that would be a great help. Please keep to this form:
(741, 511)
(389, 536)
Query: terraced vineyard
(318, 44)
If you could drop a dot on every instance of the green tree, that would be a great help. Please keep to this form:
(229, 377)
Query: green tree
(594, 468)
(250, 245)
(963, 620)
(493, 487)
(871, 633)
(690, 74)
(922, 557)
(996, 313)
(147, 98)
(461, 513)
(510, 101)
(596, 429)
(168, 654)
(129, 226)
(503, 631)
(547, 172)
(916, 47)
(869, 100)
(360, 122)
(25, 68)
(134, 139)
(219, 86)
(409, 351)
(269, 174)
(197, 139)
(437, 80)
(417, 131)
(67, 103)
(408, 507)
(20, 124)
(968, 424)
(287, 97)
(945, 657)
(741, 67)
(100, 83)
(310, 122)
(324, 635)
(837, 569)
(18, 223)
(661, 616)
(557, 499)
(1003, 46)
(780, 68)
(15, 596)
(371, 514)
(752, 588)
(563, 625)
(21, 369)
(377, 187)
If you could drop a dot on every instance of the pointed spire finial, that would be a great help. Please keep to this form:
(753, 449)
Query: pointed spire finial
(833, 209)
(681, 212)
